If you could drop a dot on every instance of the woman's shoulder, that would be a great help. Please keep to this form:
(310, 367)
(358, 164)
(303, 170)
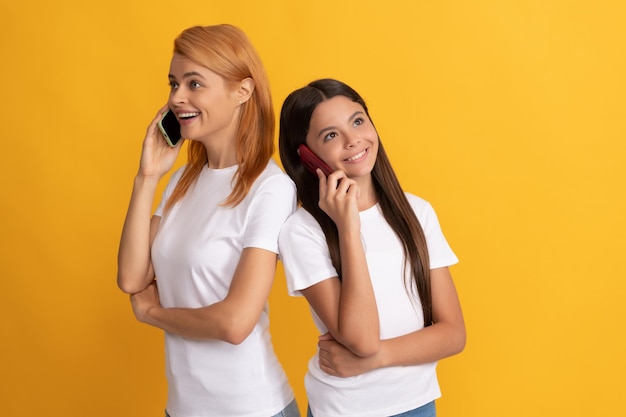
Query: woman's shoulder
(274, 176)
(272, 170)
(175, 177)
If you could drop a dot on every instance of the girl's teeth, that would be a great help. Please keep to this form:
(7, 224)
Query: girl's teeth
(185, 115)
(355, 157)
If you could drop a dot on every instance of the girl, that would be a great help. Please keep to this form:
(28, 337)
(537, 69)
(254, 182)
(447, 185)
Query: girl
(213, 240)
(371, 261)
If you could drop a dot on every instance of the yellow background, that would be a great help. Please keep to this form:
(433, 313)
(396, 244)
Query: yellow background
(507, 115)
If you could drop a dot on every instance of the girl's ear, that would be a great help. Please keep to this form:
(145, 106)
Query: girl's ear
(245, 90)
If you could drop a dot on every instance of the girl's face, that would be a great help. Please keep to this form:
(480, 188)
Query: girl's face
(342, 135)
(202, 101)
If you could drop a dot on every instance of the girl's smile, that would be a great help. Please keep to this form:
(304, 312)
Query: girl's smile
(341, 133)
(358, 157)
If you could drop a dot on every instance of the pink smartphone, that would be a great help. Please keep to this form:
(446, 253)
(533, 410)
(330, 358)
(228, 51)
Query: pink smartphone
(312, 161)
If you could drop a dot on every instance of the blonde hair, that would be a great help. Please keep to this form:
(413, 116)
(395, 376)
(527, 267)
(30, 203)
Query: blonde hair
(227, 51)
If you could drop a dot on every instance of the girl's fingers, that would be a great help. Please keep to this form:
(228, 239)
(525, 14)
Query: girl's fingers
(322, 182)
(334, 180)
(345, 185)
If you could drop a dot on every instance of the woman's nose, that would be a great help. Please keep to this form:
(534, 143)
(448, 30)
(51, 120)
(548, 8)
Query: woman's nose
(178, 96)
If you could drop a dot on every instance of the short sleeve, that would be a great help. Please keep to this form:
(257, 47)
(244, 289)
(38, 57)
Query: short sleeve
(304, 252)
(273, 201)
(169, 189)
(439, 251)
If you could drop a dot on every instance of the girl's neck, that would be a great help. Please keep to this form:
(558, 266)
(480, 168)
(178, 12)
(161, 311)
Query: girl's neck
(367, 196)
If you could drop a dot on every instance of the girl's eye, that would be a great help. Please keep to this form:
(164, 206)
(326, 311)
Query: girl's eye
(173, 85)
(194, 84)
(358, 121)
(330, 136)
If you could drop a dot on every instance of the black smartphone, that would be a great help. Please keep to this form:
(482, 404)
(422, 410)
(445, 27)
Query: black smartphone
(312, 161)
(170, 128)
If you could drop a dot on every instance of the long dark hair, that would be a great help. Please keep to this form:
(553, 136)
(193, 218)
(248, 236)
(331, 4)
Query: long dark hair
(295, 119)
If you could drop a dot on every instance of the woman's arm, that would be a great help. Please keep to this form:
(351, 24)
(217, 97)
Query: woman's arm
(230, 320)
(347, 307)
(445, 337)
(134, 264)
(134, 271)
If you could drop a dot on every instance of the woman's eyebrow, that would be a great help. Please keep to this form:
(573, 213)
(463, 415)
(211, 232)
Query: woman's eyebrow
(187, 75)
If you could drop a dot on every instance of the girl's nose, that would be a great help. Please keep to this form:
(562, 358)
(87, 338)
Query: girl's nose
(352, 140)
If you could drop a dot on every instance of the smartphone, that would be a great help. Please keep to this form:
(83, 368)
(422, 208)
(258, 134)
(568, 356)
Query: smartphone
(312, 161)
(170, 128)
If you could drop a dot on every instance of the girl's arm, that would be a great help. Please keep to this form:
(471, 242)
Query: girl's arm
(134, 264)
(230, 320)
(445, 337)
(347, 307)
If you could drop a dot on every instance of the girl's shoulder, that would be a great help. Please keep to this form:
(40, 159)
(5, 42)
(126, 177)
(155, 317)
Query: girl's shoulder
(416, 202)
(299, 231)
(302, 217)
(422, 208)
(302, 222)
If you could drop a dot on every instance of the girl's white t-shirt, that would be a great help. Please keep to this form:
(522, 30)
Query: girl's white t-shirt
(307, 261)
(195, 253)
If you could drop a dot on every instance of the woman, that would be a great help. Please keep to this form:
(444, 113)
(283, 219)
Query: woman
(371, 261)
(212, 242)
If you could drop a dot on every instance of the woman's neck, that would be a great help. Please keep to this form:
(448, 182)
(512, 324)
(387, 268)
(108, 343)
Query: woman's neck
(222, 154)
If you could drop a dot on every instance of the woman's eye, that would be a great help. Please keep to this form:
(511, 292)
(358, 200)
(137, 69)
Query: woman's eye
(194, 84)
(173, 85)
(330, 136)
(358, 122)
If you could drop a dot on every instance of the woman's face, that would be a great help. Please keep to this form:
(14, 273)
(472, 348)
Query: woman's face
(205, 106)
(342, 135)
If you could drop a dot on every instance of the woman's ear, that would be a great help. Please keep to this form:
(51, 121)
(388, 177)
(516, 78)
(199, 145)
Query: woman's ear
(245, 90)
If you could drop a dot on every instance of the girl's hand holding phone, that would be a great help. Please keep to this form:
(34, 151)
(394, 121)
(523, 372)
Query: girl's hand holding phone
(157, 157)
(338, 199)
(338, 193)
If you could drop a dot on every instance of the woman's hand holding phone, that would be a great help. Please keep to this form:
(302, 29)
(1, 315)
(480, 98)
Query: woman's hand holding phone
(157, 157)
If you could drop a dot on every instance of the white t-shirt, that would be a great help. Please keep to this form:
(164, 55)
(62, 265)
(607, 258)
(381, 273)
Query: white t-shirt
(195, 253)
(307, 261)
